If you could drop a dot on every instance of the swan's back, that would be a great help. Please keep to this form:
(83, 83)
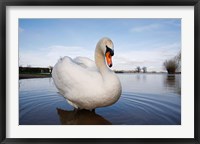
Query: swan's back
(85, 63)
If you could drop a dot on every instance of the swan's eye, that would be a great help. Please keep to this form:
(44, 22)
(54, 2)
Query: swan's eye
(109, 50)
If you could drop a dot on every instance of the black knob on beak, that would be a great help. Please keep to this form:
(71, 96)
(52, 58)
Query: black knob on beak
(109, 50)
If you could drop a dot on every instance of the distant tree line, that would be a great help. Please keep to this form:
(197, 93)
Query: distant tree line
(136, 70)
(32, 70)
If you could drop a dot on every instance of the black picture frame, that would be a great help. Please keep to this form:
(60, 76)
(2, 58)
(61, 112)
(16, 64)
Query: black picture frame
(5, 3)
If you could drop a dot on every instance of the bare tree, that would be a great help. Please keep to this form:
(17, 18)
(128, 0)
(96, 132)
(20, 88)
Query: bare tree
(173, 64)
(178, 59)
(144, 69)
(138, 69)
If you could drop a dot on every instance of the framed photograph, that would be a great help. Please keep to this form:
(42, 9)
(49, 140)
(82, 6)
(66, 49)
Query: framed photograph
(99, 71)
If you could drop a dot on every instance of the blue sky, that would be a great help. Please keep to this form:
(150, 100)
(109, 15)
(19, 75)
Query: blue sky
(137, 42)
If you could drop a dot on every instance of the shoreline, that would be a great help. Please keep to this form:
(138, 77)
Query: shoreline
(30, 76)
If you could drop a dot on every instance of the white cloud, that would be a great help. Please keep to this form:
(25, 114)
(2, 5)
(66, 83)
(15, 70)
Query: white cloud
(145, 28)
(153, 59)
(45, 58)
(123, 60)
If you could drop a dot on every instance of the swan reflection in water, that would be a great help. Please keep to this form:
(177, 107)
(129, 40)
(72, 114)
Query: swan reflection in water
(81, 117)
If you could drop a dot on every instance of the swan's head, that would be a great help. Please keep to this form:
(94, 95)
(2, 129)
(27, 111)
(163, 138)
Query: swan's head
(107, 48)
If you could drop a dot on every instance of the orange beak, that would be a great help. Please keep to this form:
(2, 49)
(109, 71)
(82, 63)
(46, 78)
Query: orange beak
(109, 59)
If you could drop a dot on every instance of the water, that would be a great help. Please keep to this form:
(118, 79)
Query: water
(147, 99)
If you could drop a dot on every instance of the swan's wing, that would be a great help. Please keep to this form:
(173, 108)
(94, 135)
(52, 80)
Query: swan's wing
(71, 78)
(84, 88)
(85, 63)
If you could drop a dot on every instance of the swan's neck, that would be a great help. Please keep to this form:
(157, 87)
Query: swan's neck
(100, 61)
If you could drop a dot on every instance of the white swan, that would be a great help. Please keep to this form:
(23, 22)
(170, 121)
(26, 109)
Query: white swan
(85, 84)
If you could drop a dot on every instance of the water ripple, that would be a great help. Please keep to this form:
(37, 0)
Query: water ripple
(157, 109)
(39, 100)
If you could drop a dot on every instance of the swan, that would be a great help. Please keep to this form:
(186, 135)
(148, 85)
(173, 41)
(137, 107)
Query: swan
(87, 84)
